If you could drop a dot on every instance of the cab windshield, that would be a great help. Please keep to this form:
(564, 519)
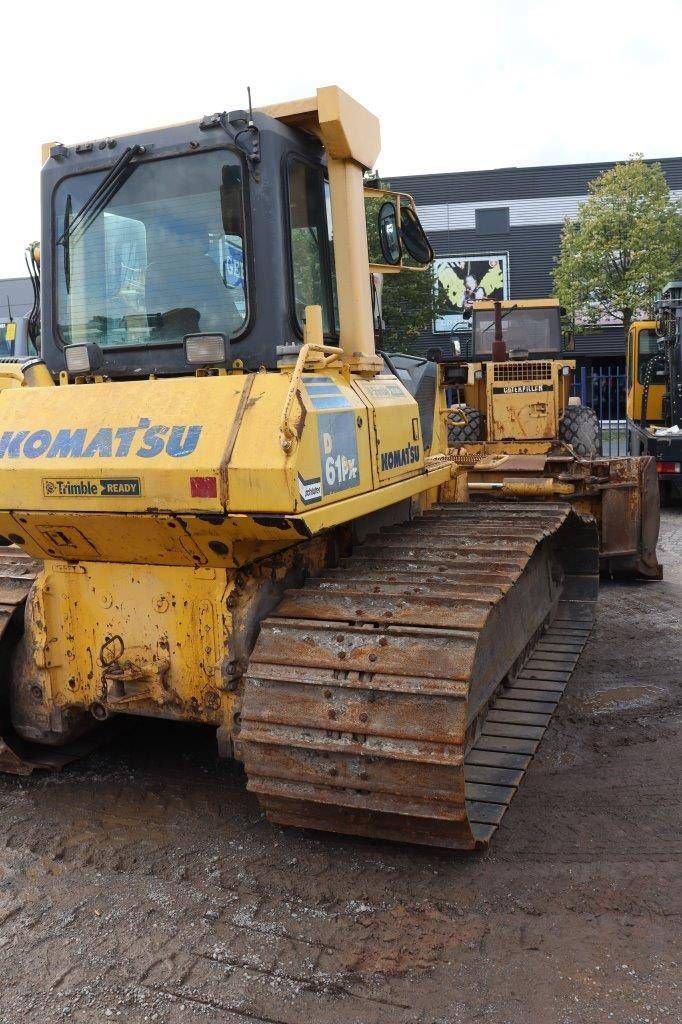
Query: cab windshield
(531, 330)
(164, 258)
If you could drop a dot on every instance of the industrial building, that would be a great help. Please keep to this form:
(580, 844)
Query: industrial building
(16, 297)
(501, 229)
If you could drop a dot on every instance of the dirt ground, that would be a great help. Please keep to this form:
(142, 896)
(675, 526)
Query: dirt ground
(144, 884)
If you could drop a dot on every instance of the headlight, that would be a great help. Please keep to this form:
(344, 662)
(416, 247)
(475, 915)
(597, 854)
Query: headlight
(83, 358)
(203, 349)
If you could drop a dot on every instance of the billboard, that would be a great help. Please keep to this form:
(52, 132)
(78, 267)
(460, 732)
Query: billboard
(459, 280)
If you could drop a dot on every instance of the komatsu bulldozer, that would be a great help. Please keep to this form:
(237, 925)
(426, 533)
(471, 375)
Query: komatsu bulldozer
(220, 505)
(516, 427)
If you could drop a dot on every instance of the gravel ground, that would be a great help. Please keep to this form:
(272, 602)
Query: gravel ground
(144, 884)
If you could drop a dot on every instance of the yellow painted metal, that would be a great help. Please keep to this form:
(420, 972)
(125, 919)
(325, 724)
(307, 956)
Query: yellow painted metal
(356, 327)
(190, 540)
(526, 399)
(654, 408)
(524, 487)
(521, 400)
(347, 129)
(398, 199)
(36, 374)
(151, 641)
(171, 514)
(11, 376)
(146, 640)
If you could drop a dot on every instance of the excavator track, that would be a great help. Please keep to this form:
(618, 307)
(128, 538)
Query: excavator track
(403, 695)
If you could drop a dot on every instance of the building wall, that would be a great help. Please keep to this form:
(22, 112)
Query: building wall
(538, 199)
(16, 295)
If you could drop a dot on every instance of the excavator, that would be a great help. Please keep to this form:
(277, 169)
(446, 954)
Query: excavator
(519, 432)
(219, 504)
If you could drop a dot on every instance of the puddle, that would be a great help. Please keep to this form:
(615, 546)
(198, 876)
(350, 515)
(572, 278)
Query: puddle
(619, 698)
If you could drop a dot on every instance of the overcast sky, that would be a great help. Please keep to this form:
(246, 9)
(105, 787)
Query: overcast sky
(457, 86)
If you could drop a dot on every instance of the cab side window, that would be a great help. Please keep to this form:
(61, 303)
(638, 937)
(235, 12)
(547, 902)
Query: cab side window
(309, 241)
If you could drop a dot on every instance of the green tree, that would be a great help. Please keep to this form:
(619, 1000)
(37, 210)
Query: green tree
(409, 307)
(622, 247)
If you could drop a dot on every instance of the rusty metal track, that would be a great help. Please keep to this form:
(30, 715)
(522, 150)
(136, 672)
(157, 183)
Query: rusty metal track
(403, 695)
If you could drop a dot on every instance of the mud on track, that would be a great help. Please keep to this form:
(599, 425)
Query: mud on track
(144, 885)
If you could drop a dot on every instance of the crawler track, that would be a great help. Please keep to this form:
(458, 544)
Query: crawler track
(404, 694)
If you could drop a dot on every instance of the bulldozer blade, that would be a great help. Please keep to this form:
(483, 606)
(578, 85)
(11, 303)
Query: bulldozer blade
(630, 519)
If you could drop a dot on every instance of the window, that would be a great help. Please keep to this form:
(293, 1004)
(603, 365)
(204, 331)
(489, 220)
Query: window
(492, 220)
(310, 242)
(8, 335)
(534, 330)
(165, 257)
(649, 346)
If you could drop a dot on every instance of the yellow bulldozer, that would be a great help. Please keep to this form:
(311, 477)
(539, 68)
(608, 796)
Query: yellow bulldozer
(220, 505)
(513, 424)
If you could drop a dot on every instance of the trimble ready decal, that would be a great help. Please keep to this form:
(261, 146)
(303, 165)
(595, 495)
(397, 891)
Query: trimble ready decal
(310, 490)
(522, 389)
(91, 487)
(145, 441)
(400, 457)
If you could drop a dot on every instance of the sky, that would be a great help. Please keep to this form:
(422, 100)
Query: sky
(456, 86)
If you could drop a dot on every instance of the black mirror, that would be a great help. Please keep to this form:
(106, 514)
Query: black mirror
(389, 239)
(413, 236)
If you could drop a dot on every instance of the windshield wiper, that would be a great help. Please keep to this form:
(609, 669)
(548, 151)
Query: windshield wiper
(504, 316)
(105, 191)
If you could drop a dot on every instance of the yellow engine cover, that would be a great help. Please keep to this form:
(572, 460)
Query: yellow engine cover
(194, 471)
(525, 399)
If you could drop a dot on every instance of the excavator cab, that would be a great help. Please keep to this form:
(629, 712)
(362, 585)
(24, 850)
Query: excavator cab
(654, 395)
(645, 370)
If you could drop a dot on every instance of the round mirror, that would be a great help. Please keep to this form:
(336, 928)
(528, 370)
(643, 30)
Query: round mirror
(413, 237)
(388, 234)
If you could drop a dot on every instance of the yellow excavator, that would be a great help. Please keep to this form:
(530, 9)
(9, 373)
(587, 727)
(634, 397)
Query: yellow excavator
(654, 390)
(219, 504)
(515, 426)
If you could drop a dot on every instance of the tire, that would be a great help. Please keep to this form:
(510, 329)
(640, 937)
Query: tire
(469, 433)
(579, 427)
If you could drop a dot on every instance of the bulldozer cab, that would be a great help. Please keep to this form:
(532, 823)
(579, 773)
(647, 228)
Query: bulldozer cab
(203, 244)
(198, 244)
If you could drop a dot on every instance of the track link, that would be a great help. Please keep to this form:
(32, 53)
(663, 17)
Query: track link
(403, 695)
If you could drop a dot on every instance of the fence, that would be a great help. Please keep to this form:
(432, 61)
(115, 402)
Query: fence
(604, 389)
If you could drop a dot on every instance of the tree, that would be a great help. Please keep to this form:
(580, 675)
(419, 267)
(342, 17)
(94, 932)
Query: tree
(409, 307)
(623, 246)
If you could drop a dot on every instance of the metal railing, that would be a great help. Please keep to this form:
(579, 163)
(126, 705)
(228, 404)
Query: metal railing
(604, 389)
